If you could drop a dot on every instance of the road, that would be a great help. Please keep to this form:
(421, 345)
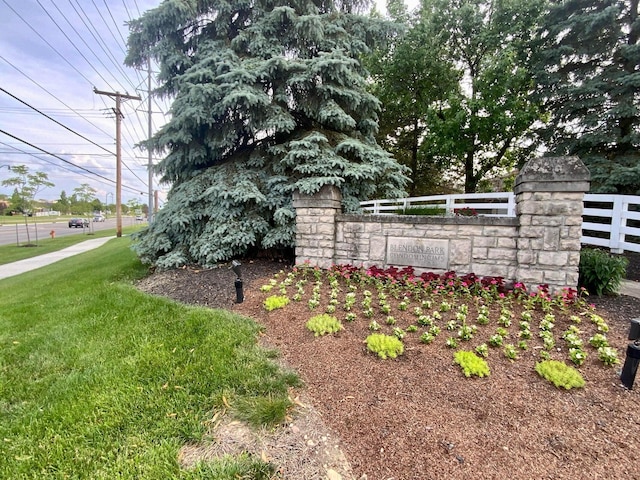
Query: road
(40, 228)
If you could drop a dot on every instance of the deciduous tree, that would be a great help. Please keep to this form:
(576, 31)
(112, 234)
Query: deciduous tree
(27, 186)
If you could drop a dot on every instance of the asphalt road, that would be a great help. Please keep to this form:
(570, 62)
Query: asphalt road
(40, 228)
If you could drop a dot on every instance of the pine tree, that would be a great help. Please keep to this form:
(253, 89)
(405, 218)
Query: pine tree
(589, 79)
(269, 98)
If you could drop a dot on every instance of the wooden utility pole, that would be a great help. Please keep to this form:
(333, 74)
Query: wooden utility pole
(150, 211)
(118, 96)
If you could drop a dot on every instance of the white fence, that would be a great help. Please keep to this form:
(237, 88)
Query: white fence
(501, 204)
(611, 221)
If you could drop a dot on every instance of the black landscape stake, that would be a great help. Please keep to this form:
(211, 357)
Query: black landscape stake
(630, 368)
(235, 266)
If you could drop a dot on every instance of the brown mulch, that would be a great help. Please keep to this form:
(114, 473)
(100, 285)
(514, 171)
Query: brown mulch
(417, 417)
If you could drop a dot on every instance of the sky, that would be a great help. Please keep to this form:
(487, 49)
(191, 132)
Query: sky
(53, 53)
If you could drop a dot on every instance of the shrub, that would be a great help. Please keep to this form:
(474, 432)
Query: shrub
(560, 374)
(275, 301)
(600, 272)
(430, 211)
(385, 346)
(323, 324)
(471, 364)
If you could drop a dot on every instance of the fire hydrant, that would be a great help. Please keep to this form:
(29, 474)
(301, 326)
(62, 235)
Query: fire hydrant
(53, 234)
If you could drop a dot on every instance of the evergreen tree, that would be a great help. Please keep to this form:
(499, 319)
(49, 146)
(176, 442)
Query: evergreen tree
(269, 98)
(589, 79)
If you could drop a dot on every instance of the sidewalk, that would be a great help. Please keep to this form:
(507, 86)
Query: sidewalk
(627, 287)
(28, 264)
(630, 288)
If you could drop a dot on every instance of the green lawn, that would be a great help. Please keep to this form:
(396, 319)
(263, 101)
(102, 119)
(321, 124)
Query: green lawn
(12, 253)
(101, 381)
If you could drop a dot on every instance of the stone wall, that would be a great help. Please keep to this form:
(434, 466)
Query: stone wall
(540, 245)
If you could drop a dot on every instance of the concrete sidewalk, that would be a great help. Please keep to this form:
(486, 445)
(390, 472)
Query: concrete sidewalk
(28, 264)
(628, 287)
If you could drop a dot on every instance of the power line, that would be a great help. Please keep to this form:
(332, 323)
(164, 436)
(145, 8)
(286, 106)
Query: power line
(45, 40)
(56, 121)
(21, 152)
(54, 96)
(91, 28)
(65, 160)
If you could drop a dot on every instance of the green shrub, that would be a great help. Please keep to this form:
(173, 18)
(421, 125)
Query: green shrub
(323, 324)
(385, 346)
(600, 272)
(276, 301)
(471, 364)
(429, 211)
(560, 374)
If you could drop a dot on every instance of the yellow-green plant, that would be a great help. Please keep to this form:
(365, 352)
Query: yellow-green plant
(275, 301)
(471, 364)
(323, 324)
(560, 374)
(385, 346)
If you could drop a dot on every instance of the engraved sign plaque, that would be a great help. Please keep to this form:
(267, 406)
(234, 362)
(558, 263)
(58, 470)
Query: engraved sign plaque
(418, 252)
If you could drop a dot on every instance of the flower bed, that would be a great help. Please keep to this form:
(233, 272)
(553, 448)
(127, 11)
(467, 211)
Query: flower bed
(483, 315)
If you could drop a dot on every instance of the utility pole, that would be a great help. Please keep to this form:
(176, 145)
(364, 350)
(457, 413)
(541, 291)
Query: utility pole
(150, 212)
(118, 96)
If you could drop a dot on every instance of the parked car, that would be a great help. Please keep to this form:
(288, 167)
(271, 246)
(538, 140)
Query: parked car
(98, 218)
(78, 223)
(139, 218)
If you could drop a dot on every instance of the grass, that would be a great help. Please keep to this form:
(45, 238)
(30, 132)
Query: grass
(12, 253)
(101, 381)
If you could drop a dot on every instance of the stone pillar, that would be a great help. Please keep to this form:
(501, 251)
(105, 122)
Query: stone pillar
(549, 202)
(316, 225)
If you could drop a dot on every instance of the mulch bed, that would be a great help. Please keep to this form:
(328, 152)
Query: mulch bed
(417, 417)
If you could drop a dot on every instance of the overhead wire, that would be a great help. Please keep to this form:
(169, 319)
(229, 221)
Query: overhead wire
(91, 28)
(130, 127)
(65, 160)
(37, 156)
(53, 95)
(56, 121)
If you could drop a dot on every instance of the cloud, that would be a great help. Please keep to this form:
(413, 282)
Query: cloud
(52, 55)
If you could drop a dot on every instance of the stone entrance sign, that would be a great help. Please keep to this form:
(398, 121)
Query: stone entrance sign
(418, 252)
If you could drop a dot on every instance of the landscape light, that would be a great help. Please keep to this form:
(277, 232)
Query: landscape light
(630, 368)
(235, 266)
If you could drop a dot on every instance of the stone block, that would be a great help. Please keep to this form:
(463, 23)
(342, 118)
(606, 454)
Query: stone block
(480, 241)
(551, 238)
(378, 248)
(530, 232)
(547, 221)
(373, 227)
(502, 254)
(557, 277)
(530, 276)
(537, 243)
(326, 229)
(466, 231)
(507, 242)
(553, 259)
(479, 253)
(498, 231)
(572, 278)
(573, 220)
(525, 257)
(460, 251)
